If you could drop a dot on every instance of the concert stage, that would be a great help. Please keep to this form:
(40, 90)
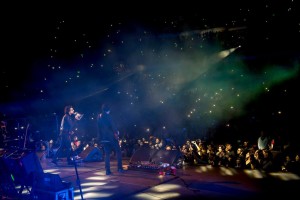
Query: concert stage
(188, 182)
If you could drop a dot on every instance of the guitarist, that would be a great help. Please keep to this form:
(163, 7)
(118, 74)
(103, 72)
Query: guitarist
(68, 123)
(108, 136)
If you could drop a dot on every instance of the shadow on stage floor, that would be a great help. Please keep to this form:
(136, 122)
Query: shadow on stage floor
(188, 182)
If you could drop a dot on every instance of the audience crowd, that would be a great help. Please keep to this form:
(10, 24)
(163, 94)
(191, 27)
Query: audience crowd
(265, 153)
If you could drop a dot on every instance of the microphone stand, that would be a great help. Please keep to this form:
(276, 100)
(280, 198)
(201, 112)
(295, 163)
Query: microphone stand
(77, 176)
(74, 160)
(25, 139)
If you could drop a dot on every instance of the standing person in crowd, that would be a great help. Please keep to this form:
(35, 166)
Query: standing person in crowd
(67, 127)
(108, 135)
(263, 141)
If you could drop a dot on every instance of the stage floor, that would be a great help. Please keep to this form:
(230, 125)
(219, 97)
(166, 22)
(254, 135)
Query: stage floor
(188, 182)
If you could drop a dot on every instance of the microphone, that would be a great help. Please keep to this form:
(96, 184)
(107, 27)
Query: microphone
(78, 115)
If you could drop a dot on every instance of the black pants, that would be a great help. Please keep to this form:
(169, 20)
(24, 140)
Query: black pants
(108, 147)
(65, 146)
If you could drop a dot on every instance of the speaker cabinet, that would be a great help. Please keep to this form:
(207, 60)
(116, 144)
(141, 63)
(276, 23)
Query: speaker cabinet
(147, 159)
(31, 164)
(48, 181)
(91, 154)
(166, 156)
(50, 186)
(7, 186)
(142, 155)
(22, 166)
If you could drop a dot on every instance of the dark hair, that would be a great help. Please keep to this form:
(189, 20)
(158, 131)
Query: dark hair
(68, 108)
(105, 107)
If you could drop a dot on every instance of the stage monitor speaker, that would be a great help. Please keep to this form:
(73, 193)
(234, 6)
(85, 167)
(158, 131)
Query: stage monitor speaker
(142, 155)
(22, 166)
(91, 154)
(166, 156)
(49, 182)
(31, 164)
(7, 186)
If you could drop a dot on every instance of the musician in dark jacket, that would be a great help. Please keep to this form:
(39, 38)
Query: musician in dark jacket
(67, 126)
(108, 136)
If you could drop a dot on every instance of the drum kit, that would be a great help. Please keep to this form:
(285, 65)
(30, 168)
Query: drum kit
(14, 138)
(14, 145)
